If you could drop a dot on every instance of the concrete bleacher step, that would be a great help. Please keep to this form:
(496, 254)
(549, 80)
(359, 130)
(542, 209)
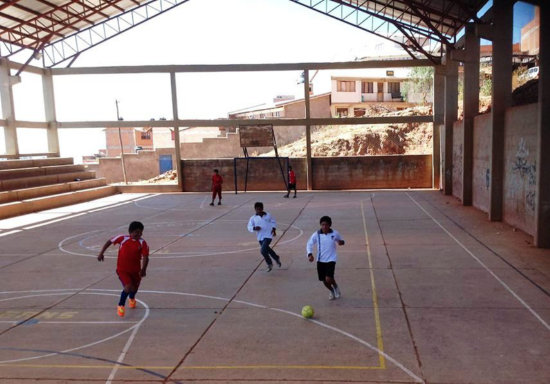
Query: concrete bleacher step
(21, 207)
(45, 190)
(17, 173)
(35, 181)
(29, 163)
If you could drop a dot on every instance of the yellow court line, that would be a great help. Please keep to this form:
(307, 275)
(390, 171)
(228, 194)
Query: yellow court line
(379, 341)
(110, 366)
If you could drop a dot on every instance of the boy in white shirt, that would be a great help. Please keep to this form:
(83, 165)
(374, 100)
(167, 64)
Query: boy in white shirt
(265, 227)
(326, 240)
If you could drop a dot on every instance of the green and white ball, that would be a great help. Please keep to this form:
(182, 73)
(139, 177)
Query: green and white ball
(307, 311)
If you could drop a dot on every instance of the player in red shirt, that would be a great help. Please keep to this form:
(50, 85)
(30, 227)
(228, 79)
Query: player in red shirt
(291, 182)
(217, 181)
(132, 261)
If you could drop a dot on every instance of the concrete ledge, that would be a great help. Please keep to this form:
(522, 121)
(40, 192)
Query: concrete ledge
(36, 181)
(148, 188)
(31, 193)
(54, 201)
(16, 173)
(28, 163)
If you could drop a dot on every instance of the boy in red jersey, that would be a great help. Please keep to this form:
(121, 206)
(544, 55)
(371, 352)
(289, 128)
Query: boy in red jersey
(132, 261)
(291, 182)
(217, 182)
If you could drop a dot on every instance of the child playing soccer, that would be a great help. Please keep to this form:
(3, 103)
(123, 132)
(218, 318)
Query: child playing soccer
(265, 227)
(132, 261)
(326, 240)
(217, 181)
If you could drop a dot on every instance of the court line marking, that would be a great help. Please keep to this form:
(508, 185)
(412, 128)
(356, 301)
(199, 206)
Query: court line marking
(510, 290)
(107, 292)
(379, 340)
(171, 255)
(69, 291)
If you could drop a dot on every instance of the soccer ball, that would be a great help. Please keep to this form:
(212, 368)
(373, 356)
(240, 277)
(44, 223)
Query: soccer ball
(307, 311)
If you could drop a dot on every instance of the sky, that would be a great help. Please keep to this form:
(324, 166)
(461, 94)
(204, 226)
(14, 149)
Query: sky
(195, 32)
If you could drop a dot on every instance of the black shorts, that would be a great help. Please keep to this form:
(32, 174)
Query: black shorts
(291, 186)
(325, 270)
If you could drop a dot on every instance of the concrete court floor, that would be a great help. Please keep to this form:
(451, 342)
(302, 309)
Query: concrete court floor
(431, 292)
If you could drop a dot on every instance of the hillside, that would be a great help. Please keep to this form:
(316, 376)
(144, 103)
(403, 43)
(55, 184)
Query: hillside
(363, 140)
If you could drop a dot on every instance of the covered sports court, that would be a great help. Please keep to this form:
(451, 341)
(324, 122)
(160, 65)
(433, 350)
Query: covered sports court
(436, 287)
(431, 292)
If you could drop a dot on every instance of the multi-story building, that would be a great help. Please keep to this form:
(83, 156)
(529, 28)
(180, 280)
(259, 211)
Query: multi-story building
(352, 91)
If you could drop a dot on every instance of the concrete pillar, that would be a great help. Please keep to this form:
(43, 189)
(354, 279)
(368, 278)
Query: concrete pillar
(439, 119)
(542, 210)
(471, 109)
(450, 116)
(502, 33)
(8, 111)
(176, 129)
(49, 110)
(309, 170)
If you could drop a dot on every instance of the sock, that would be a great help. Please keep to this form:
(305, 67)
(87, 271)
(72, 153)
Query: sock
(123, 296)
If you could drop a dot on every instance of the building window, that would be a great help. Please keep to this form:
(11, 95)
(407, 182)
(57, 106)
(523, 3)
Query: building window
(359, 112)
(342, 112)
(146, 135)
(394, 89)
(346, 86)
(367, 87)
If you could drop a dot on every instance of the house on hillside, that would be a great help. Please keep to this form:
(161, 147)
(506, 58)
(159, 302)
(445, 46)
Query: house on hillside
(132, 140)
(353, 90)
(319, 107)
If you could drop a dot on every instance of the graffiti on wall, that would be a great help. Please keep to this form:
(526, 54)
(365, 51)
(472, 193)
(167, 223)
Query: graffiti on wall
(527, 171)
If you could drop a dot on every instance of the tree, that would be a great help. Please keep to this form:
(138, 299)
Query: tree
(420, 83)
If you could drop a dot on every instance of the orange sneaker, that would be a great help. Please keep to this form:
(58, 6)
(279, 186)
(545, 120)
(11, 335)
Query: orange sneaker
(132, 303)
(120, 310)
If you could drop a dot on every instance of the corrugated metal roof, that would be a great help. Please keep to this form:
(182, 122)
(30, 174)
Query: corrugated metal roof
(35, 24)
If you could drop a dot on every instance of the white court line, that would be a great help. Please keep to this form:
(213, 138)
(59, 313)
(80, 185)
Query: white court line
(171, 255)
(203, 201)
(107, 292)
(10, 232)
(54, 292)
(66, 322)
(518, 298)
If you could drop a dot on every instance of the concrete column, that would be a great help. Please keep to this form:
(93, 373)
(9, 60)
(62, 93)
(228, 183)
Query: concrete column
(542, 210)
(439, 119)
(308, 133)
(8, 111)
(471, 109)
(176, 130)
(502, 33)
(450, 116)
(49, 109)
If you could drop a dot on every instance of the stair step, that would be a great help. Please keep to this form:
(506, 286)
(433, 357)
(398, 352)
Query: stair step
(28, 163)
(18, 173)
(22, 207)
(29, 182)
(29, 193)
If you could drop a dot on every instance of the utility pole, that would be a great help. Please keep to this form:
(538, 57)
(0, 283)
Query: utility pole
(118, 118)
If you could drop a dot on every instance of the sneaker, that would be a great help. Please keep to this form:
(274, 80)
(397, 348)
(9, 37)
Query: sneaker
(294, 196)
(285, 196)
(331, 295)
(132, 303)
(219, 203)
(120, 310)
(211, 203)
(269, 267)
(336, 293)
(278, 263)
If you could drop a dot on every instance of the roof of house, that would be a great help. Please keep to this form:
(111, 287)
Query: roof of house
(268, 106)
